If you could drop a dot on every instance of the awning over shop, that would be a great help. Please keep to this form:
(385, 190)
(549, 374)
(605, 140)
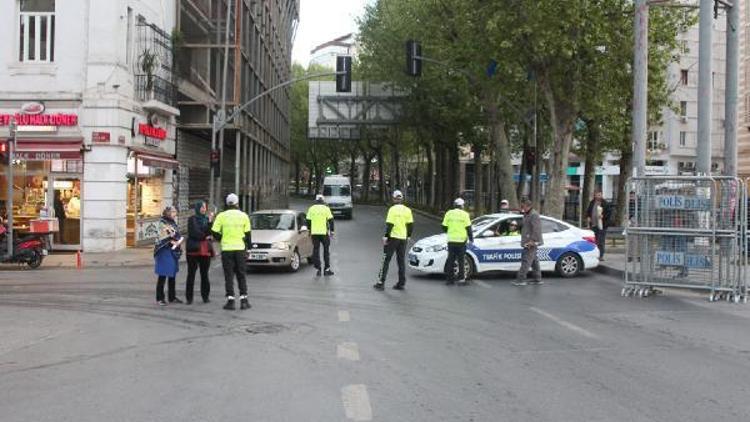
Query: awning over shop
(159, 162)
(48, 149)
(156, 160)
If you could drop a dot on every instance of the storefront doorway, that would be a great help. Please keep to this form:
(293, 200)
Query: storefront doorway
(64, 196)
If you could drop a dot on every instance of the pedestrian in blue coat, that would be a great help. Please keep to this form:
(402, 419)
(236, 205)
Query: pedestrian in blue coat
(167, 252)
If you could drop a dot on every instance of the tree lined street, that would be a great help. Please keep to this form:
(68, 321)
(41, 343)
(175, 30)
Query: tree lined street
(90, 345)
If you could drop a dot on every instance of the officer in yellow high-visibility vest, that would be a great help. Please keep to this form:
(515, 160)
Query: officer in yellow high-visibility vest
(457, 225)
(232, 228)
(398, 229)
(320, 221)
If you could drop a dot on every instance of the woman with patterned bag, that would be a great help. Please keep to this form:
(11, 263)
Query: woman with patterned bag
(167, 252)
(200, 250)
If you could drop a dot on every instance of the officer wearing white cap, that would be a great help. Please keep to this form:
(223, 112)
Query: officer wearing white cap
(232, 228)
(504, 206)
(398, 229)
(457, 226)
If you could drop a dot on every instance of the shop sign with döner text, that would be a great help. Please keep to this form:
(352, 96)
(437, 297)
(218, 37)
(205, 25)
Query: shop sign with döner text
(55, 119)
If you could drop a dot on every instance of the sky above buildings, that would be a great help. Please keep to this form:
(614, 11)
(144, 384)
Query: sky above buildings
(324, 20)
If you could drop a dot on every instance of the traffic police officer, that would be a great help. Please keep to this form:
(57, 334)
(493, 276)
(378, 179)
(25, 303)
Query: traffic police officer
(398, 229)
(320, 220)
(232, 228)
(457, 225)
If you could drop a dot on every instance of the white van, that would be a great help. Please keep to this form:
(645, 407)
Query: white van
(338, 193)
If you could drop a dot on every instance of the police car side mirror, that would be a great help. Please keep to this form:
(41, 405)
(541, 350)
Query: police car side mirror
(487, 233)
(303, 229)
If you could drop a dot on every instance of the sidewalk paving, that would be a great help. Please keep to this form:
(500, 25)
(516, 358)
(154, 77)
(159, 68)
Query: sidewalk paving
(614, 263)
(130, 257)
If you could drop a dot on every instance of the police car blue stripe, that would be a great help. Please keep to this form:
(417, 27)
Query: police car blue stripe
(544, 254)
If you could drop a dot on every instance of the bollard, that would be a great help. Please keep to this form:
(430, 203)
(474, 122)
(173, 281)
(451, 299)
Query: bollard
(79, 260)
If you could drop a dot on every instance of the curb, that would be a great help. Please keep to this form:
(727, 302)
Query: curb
(609, 271)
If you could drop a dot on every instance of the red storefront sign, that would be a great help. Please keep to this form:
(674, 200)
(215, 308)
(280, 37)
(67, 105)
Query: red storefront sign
(55, 119)
(152, 132)
(100, 137)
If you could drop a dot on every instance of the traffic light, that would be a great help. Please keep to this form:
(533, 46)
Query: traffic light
(413, 58)
(216, 162)
(344, 74)
(4, 157)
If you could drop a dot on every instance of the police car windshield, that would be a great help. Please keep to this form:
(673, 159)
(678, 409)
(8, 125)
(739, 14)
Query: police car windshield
(481, 221)
(336, 190)
(272, 221)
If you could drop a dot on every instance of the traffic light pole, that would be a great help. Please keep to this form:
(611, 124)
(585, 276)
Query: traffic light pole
(9, 202)
(220, 123)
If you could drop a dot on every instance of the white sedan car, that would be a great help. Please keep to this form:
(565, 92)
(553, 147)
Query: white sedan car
(567, 249)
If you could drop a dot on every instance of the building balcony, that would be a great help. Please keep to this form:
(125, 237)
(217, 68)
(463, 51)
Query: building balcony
(156, 94)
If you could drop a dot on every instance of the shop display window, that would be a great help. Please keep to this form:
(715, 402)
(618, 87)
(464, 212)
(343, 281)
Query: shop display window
(45, 190)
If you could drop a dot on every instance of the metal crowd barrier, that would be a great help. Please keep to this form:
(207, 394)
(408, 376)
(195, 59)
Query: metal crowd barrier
(688, 232)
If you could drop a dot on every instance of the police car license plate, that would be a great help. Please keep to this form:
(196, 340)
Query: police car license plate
(257, 257)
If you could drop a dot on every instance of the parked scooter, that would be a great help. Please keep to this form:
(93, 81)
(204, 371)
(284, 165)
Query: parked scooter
(29, 249)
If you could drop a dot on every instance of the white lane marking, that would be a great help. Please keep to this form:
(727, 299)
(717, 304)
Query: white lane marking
(344, 316)
(566, 324)
(356, 402)
(482, 284)
(348, 351)
(217, 265)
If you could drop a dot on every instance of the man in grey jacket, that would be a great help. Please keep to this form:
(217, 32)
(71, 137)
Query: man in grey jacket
(531, 239)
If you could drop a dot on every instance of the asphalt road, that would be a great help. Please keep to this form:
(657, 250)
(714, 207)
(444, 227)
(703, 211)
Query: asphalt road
(91, 345)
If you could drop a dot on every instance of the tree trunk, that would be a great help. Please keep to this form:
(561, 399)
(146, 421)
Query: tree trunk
(353, 174)
(504, 176)
(396, 182)
(623, 189)
(297, 177)
(589, 178)
(492, 185)
(524, 168)
(438, 175)
(562, 119)
(366, 177)
(429, 178)
(381, 175)
(478, 179)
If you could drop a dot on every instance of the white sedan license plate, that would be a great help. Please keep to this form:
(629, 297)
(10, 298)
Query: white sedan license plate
(257, 257)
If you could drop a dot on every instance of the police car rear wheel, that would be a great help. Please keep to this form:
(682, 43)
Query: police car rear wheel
(569, 265)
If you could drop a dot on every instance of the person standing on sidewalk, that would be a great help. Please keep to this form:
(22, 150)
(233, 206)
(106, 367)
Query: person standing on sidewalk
(597, 218)
(320, 220)
(232, 228)
(399, 225)
(167, 252)
(200, 250)
(531, 239)
(457, 225)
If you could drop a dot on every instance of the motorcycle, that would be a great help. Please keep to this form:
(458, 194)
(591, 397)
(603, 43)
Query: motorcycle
(29, 249)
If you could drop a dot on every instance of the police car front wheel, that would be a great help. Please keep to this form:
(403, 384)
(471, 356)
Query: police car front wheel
(469, 268)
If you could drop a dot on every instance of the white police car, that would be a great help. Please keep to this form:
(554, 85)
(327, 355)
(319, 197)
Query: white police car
(567, 249)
